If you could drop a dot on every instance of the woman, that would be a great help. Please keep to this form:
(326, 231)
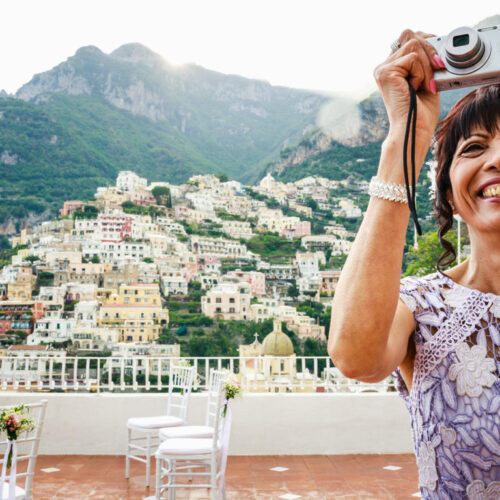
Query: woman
(440, 334)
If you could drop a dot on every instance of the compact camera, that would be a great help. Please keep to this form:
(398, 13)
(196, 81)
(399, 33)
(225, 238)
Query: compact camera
(471, 57)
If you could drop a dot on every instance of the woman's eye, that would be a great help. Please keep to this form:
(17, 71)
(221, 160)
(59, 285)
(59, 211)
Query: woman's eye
(472, 148)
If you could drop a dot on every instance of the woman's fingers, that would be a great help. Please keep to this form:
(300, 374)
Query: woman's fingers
(408, 35)
(415, 43)
(418, 72)
(407, 66)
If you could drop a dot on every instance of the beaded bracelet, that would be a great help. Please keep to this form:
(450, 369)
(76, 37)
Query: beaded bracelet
(387, 190)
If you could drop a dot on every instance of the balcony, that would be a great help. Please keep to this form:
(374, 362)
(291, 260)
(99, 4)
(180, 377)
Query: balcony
(335, 440)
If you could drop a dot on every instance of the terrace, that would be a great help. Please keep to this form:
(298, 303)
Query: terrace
(334, 439)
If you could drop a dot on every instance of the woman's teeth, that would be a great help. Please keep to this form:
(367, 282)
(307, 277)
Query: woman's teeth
(491, 191)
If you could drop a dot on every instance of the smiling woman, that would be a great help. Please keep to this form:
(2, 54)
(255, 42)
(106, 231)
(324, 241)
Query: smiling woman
(439, 335)
(468, 138)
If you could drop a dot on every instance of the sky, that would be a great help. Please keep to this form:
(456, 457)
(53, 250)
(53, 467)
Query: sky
(327, 45)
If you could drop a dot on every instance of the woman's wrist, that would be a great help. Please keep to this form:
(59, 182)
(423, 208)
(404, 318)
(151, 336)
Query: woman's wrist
(391, 159)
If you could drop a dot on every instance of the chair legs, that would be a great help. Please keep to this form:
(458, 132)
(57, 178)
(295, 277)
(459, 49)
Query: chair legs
(127, 457)
(167, 468)
(148, 459)
(171, 480)
(144, 452)
(158, 479)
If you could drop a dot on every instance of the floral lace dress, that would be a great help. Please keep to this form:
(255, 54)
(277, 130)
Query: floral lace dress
(454, 402)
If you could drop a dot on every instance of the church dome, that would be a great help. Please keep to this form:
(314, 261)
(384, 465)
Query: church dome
(277, 343)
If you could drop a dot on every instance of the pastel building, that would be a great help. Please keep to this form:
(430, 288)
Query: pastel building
(229, 301)
(255, 279)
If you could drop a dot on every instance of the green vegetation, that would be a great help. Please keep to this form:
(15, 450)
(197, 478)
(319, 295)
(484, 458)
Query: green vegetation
(423, 260)
(337, 163)
(44, 278)
(206, 228)
(131, 208)
(70, 145)
(88, 212)
(162, 196)
(7, 254)
(270, 246)
(222, 214)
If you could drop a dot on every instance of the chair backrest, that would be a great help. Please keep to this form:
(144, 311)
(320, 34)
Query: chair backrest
(216, 379)
(180, 383)
(28, 444)
(219, 417)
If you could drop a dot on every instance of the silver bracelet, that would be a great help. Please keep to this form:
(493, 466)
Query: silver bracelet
(387, 190)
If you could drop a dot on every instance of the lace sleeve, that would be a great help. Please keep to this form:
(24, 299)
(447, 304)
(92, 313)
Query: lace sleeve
(407, 289)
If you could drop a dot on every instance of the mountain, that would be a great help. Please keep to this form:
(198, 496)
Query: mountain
(233, 123)
(326, 153)
(74, 127)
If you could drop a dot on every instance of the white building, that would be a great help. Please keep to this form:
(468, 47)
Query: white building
(94, 338)
(217, 246)
(170, 226)
(201, 201)
(172, 285)
(123, 251)
(237, 229)
(129, 181)
(86, 312)
(51, 330)
(325, 241)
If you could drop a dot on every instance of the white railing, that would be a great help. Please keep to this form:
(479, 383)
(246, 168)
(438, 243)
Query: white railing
(150, 374)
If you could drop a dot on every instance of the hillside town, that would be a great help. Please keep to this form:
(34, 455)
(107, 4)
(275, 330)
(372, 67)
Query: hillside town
(112, 274)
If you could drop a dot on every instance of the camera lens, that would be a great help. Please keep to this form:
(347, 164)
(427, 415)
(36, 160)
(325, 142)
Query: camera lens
(464, 48)
(460, 40)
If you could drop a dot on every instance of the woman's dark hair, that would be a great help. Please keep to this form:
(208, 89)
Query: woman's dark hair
(478, 109)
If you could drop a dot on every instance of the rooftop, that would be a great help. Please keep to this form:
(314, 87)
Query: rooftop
(318, 477)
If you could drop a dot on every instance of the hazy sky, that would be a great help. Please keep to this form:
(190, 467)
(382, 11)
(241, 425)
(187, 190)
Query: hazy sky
(316, 44)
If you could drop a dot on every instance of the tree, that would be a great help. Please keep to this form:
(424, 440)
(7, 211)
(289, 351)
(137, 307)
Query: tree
(314, 347)
(162, 196)
(312, 204)
(328, 253)
(423, 259)
(223, 178)
(16, 336)
(88, 212)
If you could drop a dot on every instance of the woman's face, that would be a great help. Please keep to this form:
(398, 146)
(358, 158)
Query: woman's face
(475, 180)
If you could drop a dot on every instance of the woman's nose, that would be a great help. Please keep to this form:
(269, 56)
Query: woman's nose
(494, 157)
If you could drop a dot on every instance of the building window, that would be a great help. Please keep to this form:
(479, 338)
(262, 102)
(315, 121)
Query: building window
(218, 300)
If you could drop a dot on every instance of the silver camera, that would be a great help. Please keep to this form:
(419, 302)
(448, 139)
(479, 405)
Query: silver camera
(471, 57)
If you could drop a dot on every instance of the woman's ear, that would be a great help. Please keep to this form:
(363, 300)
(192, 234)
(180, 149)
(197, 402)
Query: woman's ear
(449, 199)
(452, 205)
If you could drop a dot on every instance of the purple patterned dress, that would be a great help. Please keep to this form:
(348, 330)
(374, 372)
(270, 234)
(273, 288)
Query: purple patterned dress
(454, 402)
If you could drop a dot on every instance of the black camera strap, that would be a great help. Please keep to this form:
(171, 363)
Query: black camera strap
(411, 189)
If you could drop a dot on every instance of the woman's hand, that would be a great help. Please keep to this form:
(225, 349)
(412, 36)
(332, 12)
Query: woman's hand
(414, 62)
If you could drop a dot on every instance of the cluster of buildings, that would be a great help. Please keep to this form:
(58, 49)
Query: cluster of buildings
(97, 277)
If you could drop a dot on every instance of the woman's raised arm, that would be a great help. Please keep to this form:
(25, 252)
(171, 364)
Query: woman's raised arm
(370, 328)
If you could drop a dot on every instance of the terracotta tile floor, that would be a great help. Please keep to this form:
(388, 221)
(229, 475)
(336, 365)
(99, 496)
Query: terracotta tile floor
(318, 477)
